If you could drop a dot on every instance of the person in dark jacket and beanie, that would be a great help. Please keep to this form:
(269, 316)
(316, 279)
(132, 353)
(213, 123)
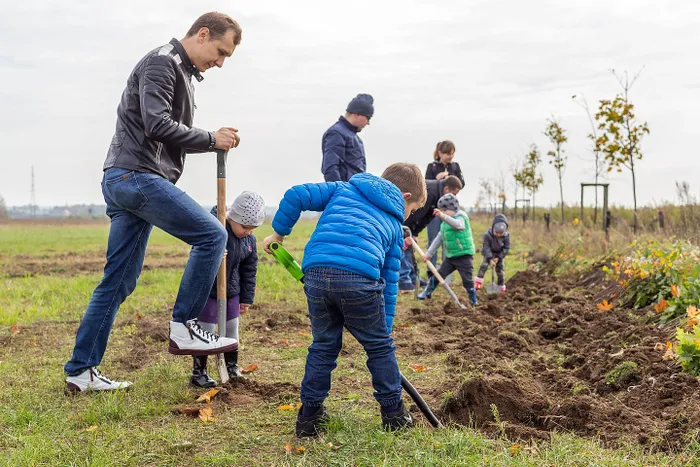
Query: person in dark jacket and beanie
(145, 159)
(247, 213)
(417, 221)
(495, 248)
(343, 150)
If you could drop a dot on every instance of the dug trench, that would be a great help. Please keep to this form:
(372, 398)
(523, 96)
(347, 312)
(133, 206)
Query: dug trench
(543, 358)
(539, 359)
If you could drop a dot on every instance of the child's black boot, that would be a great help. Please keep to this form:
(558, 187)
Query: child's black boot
(310, 421)
(397, 418)
(231, 359)
(428, 291)
(200, 378)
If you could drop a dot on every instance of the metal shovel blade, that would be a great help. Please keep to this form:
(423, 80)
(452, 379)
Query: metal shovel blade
(492, 287)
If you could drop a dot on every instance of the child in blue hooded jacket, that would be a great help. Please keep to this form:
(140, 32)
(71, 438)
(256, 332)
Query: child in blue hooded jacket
(351, 271)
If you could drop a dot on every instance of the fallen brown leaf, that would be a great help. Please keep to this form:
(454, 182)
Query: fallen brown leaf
(206, 414)
(191, 411)
(289, 447)
(249, 369)
(14, 329)
(206, 397)
(417, 368)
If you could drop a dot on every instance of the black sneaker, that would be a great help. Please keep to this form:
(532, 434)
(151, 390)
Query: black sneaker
(398, 419)
(311, 425)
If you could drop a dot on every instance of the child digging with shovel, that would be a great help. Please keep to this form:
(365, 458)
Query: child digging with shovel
(456, 239)
(495, 249)
(351, 272)
(247, 213)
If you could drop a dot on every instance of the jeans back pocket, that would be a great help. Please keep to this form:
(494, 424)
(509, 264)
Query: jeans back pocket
(123, 189)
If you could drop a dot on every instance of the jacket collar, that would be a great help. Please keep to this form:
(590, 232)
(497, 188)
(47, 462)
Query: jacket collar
(350, 126)
(186, 62)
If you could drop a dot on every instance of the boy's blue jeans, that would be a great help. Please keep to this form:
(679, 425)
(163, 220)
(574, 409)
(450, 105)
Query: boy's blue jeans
(338, 299)
(136, 202)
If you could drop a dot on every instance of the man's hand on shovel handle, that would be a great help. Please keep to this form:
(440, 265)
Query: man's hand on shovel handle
(227, 138)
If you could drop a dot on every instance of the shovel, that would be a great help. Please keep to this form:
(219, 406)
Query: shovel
(286, 260)
(437, 275)
(221, 275)
(492, 288)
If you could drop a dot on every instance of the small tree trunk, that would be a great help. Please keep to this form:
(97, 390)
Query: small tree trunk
(634, 195)
(561, 195)
(595, 210)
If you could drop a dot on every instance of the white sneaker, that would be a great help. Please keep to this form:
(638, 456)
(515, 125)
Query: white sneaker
(191, 339)
(92, 380)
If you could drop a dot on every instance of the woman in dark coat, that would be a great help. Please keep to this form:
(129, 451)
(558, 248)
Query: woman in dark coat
(441, 167)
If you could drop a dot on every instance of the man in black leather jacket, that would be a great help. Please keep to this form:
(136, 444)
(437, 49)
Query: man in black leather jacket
(145, 159)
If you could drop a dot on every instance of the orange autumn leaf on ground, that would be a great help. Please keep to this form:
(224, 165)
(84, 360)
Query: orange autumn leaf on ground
(514, 449)
(604, 305)
(285, 407)
(139, 316)
(249, 369)
(669, 354)
(301, 449)
(206, 397)
(417, 368)
(675, 291)
(206, 414)
(661, 306)
(14, 329)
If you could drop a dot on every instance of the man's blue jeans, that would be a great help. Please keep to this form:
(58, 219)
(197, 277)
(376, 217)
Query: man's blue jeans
(338, 299)
(136, 202)
(407, 273)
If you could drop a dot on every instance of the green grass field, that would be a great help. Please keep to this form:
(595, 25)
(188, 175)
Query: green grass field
(47, 273)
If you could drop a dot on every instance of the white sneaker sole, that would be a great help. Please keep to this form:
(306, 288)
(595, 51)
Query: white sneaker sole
(175, 350)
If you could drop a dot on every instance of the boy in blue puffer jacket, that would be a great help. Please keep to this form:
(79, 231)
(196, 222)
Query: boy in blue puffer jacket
(351, 271)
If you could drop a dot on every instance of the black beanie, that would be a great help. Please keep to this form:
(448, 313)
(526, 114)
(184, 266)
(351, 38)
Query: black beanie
(361, 105)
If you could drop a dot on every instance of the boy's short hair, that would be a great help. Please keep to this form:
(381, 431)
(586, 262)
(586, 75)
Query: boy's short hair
(453, 183)
(409, 179)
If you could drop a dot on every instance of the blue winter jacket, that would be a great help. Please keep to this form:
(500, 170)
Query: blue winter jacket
(343, 152)
(359, 230)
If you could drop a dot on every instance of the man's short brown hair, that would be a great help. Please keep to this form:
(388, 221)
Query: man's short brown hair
(453, 183)
(409, 179)
(218, 25)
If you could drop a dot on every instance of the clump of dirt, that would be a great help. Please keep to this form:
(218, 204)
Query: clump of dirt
(557, 363)
(268, 392)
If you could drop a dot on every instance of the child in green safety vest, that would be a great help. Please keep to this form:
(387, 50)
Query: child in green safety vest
(456, 239)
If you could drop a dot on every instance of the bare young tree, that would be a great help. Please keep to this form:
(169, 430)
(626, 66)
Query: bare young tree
(556, 135)
(597, 158)
(532, 179)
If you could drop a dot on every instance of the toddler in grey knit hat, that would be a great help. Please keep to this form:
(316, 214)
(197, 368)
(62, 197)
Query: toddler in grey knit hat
(247, 209)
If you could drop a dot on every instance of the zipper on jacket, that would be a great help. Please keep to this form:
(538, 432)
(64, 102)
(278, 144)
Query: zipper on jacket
(459, 244)
(159, 149)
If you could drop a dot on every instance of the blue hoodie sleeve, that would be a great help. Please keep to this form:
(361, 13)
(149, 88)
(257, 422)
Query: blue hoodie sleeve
(390, 273)
(300, 198)
(333, 155)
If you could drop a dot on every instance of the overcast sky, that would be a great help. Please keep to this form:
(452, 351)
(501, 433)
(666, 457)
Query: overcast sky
(485, 74)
